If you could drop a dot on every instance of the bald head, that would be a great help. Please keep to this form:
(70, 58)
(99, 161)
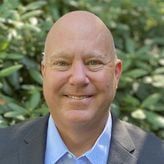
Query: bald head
(78, 25)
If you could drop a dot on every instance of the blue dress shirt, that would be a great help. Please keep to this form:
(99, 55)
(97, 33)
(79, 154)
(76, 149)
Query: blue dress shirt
(57, 152)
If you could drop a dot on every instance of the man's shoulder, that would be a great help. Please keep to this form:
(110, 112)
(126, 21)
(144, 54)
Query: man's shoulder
(11, 137)
(148, 147)
(21, 128)
(137, 134)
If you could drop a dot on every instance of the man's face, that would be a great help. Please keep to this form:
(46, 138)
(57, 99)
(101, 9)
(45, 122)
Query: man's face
(80, 77)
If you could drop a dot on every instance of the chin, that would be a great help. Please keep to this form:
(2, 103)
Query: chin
(79, 116)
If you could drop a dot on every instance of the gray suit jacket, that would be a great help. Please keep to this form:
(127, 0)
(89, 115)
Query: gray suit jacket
(25, 144)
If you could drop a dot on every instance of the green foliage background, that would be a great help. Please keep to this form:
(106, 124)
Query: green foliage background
(137, 27)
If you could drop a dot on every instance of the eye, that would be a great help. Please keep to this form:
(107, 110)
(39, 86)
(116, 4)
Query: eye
(60, 65)
(94, 62)
(94, 65)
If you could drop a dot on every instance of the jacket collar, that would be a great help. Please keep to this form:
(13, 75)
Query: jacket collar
(33, 147)
(122, 146)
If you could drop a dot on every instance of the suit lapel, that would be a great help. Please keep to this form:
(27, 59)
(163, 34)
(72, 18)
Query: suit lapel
(33, 148)
(122, 147)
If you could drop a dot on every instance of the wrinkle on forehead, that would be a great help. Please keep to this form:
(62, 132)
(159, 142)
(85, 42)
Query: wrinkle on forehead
(79, 25)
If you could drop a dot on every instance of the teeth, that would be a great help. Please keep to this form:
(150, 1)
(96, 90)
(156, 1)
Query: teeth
(78, 97)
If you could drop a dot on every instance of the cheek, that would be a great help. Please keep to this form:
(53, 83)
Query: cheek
(108, 88)
(53, 79)
(52, 84)
(52, 88)
(105, 81)
(106, 85)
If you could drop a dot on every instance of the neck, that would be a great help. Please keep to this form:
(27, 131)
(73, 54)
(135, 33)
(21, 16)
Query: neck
(80, 139)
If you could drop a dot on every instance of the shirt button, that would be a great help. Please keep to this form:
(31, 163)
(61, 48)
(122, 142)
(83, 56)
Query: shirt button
(70, 156)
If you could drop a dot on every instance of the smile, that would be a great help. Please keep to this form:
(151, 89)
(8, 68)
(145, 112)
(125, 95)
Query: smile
(78, 97)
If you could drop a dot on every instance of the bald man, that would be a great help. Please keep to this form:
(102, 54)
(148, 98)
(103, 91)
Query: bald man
(80, 72)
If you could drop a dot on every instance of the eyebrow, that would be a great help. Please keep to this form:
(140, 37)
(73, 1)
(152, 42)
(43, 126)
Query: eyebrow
(63, 54)
(59, 54)
(95, 54)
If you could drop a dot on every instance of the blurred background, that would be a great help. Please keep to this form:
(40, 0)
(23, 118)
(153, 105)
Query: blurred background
(138, 30)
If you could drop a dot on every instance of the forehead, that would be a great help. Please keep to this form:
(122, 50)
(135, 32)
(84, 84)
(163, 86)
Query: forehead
(79, 33)
(97, 46)
(69, 55)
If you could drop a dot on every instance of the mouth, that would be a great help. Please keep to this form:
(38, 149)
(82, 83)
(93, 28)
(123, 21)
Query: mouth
(75, 97)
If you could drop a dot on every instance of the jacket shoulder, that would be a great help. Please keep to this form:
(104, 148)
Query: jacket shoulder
(148, 146)
(138, 134)
(12, 137)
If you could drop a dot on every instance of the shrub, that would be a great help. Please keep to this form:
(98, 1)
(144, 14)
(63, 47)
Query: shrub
(137, 29)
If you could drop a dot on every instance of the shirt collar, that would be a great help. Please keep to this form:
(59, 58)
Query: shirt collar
(100, 150)
(55, 147)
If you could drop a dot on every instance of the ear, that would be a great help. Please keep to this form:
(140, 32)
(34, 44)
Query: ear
(118, 69)
(42, 69)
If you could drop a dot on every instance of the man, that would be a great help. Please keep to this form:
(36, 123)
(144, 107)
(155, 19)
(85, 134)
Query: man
(80, 72)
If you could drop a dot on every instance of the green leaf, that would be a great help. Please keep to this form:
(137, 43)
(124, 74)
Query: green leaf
(136, 73)
(31, 14)
(126, 65)
(130, 46)
(43, 110)
(7, 99)
(16, 107)
(138, 114)
(4, 45)
(36, 76)
(161, 61)
(143, 50)
(14, 56)
(151, 100)
(17, 111)
(1, 85)
(157, 108)
(34, 100)
(29, 87)
(131, 101)
(15, 79)
(14, 114)
(7, 71)
(35, 5)
(158, 81)
(3, 55)
(29, 63)
(156, 120)
(31, 27)
(3, 123)
(7, 89)
(143, 65)
(159, 70)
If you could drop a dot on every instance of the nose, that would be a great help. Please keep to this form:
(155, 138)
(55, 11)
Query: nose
(78, 75)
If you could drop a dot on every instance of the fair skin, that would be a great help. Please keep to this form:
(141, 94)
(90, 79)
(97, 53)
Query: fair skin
(80, 76)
